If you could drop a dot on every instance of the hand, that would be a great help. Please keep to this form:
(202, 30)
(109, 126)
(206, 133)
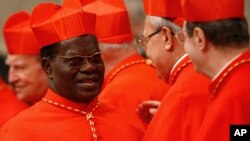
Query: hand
(147, 109)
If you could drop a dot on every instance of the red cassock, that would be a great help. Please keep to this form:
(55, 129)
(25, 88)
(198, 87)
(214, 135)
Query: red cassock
(56, 118)
(183, 108)
(131, 82)
(9, 104)
(229, 101)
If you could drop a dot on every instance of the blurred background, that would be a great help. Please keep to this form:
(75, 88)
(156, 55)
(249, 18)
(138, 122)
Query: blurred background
(135, 9)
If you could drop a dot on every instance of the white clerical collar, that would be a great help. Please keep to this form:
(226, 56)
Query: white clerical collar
(179, 60)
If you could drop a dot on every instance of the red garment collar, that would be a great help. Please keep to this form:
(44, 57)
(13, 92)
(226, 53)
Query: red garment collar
(56, 98)
(131, 60)
(216, 84)
(2, 85)
(179, 67)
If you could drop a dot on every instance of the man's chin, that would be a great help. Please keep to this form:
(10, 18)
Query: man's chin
(21, 96)
(87, 98)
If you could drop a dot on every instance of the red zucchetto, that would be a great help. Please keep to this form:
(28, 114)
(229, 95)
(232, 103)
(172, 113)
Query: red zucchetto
(53, 23)
(18, 35)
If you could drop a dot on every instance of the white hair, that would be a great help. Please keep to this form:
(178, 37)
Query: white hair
(160, 22)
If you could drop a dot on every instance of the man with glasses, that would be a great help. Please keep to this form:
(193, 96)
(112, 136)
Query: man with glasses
(72, 62)
(182, 109)
(128, 79)
(217, 40)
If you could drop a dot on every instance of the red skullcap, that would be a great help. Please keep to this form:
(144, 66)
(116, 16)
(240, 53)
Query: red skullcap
(170, 9)
(52, 23)
(211, 10)
(18, 35)
(112, 22)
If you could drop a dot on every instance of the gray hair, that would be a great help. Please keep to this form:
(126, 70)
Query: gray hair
(160, 22)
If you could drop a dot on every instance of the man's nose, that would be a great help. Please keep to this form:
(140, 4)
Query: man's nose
(87, 66)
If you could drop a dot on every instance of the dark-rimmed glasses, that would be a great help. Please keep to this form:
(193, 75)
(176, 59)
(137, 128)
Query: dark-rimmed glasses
(144, 40)
(75, 62)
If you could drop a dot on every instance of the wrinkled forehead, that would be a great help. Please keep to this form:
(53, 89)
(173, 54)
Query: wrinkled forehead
(84, 45)
(21, 59)
(148, 22)
(148, 26)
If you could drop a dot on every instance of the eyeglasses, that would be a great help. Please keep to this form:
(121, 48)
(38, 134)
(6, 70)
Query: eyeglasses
(144, 40)
(75, 62)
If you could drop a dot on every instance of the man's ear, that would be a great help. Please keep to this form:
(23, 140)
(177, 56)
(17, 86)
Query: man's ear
(167, 38)
(199, 38)
(46, 65)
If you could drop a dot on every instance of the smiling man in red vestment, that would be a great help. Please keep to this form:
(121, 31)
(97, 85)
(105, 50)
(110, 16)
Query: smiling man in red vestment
(72, 62)
(183, 107)
(129, 80)
(25, 74)
(216, 36)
